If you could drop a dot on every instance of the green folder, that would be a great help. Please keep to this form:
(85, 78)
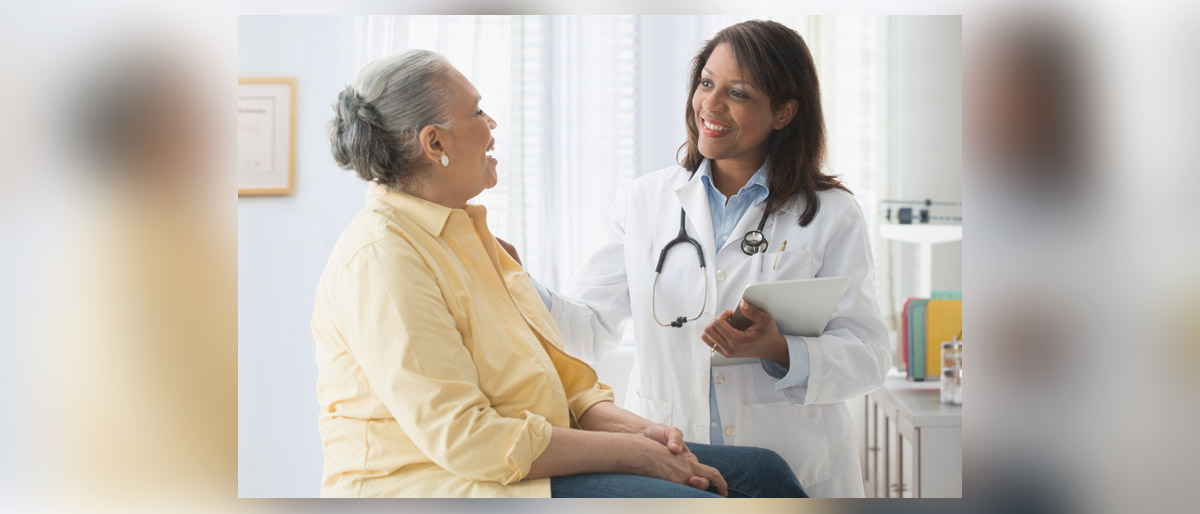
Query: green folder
(916, 338)
(947, 295)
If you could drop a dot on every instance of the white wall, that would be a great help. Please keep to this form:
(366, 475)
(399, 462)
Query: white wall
(283, 243)
(927, 127)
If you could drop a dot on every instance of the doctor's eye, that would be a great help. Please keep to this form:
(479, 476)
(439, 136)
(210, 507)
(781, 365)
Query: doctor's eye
(706, 83)
(738, 94)
(478, 112)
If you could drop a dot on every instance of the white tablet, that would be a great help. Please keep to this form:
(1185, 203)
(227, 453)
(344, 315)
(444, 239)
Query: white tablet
(799, 307)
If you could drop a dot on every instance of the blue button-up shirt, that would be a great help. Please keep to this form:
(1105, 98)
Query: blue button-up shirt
(726, 212)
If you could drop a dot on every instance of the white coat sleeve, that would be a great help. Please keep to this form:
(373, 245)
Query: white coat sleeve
(851, 358)
(596, 305)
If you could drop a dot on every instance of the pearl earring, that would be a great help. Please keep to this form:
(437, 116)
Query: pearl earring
(445, 160)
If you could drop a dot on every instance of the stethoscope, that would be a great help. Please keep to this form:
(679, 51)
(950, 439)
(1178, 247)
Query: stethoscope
(754, 242)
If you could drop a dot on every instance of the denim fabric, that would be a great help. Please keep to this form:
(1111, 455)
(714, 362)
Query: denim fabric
(750, 473)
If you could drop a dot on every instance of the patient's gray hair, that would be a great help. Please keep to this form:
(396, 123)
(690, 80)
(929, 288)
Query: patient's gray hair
(377, 120)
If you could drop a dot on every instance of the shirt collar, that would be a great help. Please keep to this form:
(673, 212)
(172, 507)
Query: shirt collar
(429, 216)
(759, 178)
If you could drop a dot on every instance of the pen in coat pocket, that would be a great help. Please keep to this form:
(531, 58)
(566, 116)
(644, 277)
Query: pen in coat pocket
(777, 254)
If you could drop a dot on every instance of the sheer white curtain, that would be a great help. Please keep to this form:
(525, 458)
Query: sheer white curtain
(854, 63)
(586, 103)
(562, 90)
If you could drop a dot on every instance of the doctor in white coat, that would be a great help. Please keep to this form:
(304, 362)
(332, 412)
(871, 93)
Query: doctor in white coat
(755, 144)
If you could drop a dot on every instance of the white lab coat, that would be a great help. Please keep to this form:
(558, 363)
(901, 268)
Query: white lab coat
(669, 383)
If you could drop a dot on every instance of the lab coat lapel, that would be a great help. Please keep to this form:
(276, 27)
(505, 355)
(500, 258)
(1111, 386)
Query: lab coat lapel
(749, 222)
(694, 200)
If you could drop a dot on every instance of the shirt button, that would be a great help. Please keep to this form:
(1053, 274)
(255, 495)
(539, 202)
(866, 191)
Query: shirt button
(713, 424)
(729, 431)
(720, 378)
(720, 275)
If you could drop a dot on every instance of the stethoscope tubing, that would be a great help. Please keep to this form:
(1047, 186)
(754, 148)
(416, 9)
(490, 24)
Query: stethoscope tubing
(754, 242)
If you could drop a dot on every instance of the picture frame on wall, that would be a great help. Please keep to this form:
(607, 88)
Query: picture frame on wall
(266, 153)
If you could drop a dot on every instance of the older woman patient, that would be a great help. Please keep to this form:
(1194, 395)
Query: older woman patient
(441, 371)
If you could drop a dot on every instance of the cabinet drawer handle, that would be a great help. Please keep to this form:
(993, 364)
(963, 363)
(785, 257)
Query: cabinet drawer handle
(873, 449)
(899, 488)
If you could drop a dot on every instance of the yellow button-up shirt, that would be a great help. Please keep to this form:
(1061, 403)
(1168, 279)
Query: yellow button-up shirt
(441, 372)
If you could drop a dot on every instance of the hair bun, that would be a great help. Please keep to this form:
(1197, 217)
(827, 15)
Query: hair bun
(358, 138)
(378, 120)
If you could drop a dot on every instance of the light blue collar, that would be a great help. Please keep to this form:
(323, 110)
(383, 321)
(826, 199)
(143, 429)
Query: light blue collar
(758, 179)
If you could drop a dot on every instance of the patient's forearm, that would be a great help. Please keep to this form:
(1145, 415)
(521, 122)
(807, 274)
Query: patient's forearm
(607, 417)
(572, 452)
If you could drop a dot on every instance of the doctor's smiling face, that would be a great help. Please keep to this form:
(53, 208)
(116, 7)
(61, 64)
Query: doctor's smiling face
(754, 93)
(733, 115)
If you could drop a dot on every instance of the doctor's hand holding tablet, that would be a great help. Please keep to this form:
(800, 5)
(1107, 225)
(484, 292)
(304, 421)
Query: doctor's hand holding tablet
(748, 331)
(757, 336)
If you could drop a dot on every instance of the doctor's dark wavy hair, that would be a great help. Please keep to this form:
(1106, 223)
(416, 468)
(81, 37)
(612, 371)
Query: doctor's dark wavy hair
(780, 62)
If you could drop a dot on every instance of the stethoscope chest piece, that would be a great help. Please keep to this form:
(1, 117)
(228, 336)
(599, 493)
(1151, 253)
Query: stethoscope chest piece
(755, 241)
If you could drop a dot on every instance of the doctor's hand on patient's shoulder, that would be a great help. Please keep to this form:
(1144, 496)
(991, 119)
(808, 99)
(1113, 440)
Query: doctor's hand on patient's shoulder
(760, 340)
(512, 250)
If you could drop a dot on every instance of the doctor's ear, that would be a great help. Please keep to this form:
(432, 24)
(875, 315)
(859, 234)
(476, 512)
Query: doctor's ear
(431, 142)
(785, 112)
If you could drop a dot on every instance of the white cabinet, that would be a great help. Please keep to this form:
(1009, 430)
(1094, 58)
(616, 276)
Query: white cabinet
(910, 442)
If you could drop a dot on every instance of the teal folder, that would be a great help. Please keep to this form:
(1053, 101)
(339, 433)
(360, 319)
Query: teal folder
(916, 338)
(946, 295)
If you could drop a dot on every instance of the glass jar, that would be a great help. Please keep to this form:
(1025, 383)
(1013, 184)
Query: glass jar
(958, 376)
(949, 385)
(957, 400)
(949, 360)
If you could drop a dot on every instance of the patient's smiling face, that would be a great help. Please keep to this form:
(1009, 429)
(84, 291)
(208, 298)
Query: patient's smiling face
(468, 142)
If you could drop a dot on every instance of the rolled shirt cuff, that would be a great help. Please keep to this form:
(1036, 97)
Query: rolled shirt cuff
(580, 403)
(795, 375)
(531, 440)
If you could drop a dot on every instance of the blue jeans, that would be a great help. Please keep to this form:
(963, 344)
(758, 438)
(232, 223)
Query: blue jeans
(750, 473)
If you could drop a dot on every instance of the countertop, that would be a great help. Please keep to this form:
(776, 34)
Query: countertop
(919, 403)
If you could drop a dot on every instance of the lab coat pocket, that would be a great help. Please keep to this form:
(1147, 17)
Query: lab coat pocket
(788, 265)
(796, 433)
(657, 411)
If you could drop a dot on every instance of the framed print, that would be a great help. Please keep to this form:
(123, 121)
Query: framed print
(266, 153)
